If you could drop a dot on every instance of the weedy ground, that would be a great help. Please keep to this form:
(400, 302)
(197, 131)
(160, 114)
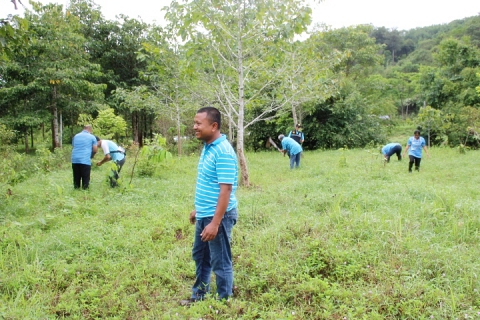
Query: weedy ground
(342, 237)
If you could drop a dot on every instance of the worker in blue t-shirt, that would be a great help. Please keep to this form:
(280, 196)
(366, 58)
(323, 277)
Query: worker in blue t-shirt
(391, 149)
(84, 148)
(297, 134)
(293, 148)
(215, 212)
(115, 153)
(414, 147)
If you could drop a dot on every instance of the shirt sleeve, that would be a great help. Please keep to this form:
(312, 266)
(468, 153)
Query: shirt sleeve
(105, 148)
(226, 167)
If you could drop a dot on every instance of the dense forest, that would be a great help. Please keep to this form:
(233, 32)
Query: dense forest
(61, 68)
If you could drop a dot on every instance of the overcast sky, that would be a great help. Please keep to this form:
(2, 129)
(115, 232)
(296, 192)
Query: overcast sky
(402, 15)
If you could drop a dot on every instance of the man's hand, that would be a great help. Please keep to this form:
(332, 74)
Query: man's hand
(210, 232)
(99, 164)
(192, 217)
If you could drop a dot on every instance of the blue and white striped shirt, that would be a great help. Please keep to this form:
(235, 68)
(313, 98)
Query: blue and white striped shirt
(218, 164)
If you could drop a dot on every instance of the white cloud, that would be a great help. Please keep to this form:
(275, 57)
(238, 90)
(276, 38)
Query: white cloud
(403, 15)
(406, 14)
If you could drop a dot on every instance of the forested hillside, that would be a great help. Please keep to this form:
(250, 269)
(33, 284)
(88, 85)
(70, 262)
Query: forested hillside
(64, 67)
(437, 67)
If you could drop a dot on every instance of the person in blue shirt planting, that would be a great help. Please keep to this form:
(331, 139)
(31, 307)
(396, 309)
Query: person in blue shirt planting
(414, 147)
(391, 149)
(293, 148)
(114, 153)
(215, 211)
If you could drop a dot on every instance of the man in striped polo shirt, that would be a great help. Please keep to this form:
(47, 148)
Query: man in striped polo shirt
(215, 211)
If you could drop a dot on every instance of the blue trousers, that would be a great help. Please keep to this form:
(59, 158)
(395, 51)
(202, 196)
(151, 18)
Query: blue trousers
(214, 255)
(295, 158)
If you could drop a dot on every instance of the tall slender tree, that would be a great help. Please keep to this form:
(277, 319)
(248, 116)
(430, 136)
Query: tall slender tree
(236, 47)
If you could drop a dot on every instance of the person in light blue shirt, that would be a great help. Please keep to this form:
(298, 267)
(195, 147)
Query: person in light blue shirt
(293, 148)
(215, 211)
(415, 145)
(84, 148)
(114, 153)
(297, 134)
(391, 149)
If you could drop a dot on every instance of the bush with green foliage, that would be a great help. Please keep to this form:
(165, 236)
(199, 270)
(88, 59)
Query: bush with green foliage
(152, 156)
(107, 125)
(341, 123)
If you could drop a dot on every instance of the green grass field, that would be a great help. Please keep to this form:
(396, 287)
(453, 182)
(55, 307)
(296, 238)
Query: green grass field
(343, 237)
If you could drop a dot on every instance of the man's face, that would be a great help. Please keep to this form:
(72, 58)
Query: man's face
(204, 130)
(416, 135)
(99, 143)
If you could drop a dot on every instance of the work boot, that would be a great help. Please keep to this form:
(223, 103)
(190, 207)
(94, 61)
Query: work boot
(187, 302)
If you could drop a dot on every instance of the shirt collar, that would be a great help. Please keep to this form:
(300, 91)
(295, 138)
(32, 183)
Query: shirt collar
(217, 141)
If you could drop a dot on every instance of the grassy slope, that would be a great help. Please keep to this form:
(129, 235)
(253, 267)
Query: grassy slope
(343, 236)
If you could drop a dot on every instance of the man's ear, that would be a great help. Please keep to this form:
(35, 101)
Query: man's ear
(214, 126)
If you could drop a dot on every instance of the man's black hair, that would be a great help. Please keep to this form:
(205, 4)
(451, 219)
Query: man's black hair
(213, 115)
(98, 139)
(416, 131)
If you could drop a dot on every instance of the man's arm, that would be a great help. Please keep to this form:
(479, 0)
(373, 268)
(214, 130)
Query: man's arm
(426, 151)
(211, 230)
(105, 159)
(406, 149)
(192, 217)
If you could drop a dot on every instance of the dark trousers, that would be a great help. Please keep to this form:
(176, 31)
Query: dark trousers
(81, 173)
(417, 163)
(395, 150)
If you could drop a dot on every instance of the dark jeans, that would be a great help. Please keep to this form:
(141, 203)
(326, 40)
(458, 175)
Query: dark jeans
(115, 172)
(295, 158)
(214, 255)
(81, 173)
(417, 163)
(395, 150)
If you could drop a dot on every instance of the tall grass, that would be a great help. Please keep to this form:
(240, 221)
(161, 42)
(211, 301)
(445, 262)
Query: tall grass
(343, 237)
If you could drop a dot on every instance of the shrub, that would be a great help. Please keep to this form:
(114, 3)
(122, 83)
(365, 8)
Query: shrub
(152, 155)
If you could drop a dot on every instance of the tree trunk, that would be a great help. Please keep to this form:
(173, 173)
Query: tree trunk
(230, 130)
(294, 114)
(60, 129)
(135, 128)
(55, 141)
(31, 136)
(244, 181)
(179, 132)
(26, 141)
